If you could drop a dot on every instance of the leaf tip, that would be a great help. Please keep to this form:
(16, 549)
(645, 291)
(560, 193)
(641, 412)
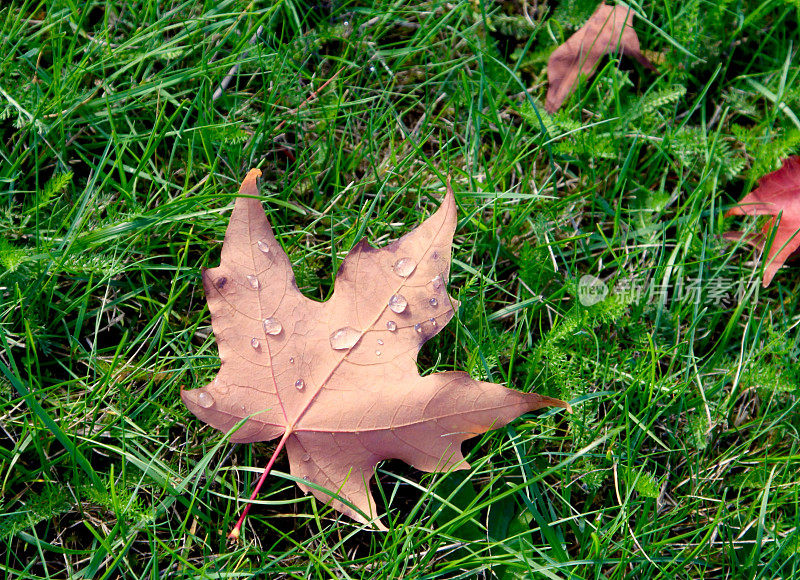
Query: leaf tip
(544, 401)
(250, 184)
(449, 201)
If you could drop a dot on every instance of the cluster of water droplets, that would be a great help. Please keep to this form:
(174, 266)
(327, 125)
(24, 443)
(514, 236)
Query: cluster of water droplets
(272, 327)
(343, 338)
(398, 304)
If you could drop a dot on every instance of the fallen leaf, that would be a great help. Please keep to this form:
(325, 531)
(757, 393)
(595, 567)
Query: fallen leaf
(607, 29)
(337, 382)
(777, 194)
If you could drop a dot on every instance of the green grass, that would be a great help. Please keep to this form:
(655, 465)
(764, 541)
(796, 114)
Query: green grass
(117, 172)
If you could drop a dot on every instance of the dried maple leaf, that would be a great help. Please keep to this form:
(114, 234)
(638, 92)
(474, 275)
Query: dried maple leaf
(607, 29)
(777, 194)
(337, 382)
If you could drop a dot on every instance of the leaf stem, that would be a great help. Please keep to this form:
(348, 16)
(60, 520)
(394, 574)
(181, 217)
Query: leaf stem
(234, 535)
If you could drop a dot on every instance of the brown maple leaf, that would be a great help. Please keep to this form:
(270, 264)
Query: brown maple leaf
(778, 195)
(337, 382)
(607, 29)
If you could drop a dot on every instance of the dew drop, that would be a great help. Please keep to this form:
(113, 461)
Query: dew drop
(300, 384)
(205, 400)
(380, 341)
(437, 283)
(221, 281)
(397, 303)
(254, 343)
(306, 457)
(433, 302)
(418, 327)
(272, 326)
(435, 256)
(404, 266)
(291, 360)
(345, 337)
(432, 321)
(263, 246)
(243, 408)
(306, 478)
(377, 353)
(253, 281)
(391, 326)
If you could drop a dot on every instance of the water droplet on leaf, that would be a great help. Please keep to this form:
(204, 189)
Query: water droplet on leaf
(306, 457)
(345, 337)
(205, 400)
(291, 360)
(418, 327)
(391, 326)
(432, 321)
(437, 283)
(433, 302)
(380, 341)
(254, 342)
(377, 353)
(253, 281)
(435, 256)
(263, 246)
(404, 266)
(397, 303)
(300, 384)
(272, 326)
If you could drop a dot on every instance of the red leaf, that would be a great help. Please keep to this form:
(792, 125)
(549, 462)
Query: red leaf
(778, 195)
(609, 28)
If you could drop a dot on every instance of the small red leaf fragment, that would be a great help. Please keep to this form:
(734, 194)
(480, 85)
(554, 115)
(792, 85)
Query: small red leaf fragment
(777, 194)
(609, 28)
